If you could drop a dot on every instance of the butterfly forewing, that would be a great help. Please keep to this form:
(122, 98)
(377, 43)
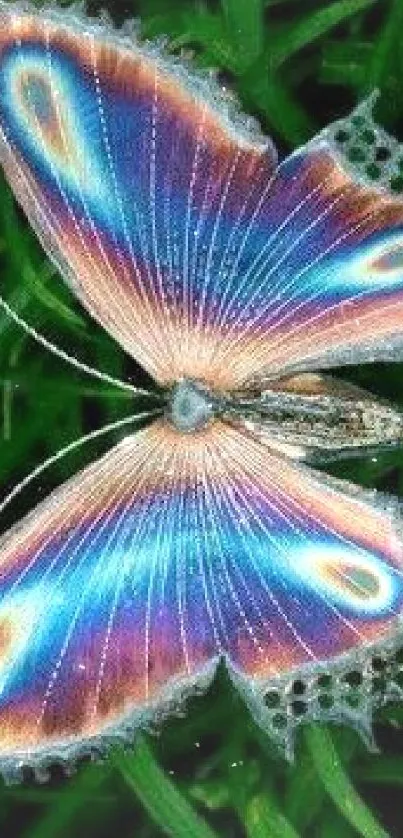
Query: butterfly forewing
(128, 168)
(171, 222)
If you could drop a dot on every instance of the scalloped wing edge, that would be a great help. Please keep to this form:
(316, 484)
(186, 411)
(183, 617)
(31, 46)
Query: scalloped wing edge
(274, 704)
(358, 135)
(201, 84)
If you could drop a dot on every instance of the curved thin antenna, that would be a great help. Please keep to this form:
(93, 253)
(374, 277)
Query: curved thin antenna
(72, 446)
(74, 362)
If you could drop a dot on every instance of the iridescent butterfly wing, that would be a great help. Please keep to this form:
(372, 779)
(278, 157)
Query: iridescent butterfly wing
(172, 223)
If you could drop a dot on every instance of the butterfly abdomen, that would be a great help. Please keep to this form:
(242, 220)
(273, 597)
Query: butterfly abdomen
(313, 415)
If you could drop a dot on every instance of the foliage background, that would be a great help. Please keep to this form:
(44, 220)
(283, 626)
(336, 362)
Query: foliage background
(296, 66)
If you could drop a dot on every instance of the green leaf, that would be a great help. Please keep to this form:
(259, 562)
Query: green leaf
(165, 804)
(382, 770)
(263, 819)
(346, 63)
(213, 794)
(302, 786)
(244, 19)
(314, 26)
(202, 28)
(65, 387)
(209, 30)
(37, 284)
(338, 786)
(18, 300)
(66, 807)
(384, 50)
(335, 827)
(284, 114)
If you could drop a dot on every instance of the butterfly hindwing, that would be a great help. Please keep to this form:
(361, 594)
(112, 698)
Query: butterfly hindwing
(173, 551)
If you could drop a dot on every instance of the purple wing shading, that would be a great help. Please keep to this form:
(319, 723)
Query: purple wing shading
(128, 584)
(171, 222)
(122, 161)
(329, 280)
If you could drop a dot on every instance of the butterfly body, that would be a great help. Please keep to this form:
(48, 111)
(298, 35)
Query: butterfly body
(308, 415)
(231, 279)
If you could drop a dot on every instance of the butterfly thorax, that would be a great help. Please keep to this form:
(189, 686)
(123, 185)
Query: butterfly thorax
(190, 406)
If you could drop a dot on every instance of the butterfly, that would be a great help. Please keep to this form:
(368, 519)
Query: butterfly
(235, 281)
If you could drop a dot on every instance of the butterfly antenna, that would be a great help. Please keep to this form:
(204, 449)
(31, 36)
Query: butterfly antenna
(70, 359)
(72, 446)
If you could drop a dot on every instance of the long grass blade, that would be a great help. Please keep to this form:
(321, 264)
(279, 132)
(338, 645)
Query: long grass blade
(264, 819)
(331, 773)
(244, 20)
(314, 26)
(163, 801)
